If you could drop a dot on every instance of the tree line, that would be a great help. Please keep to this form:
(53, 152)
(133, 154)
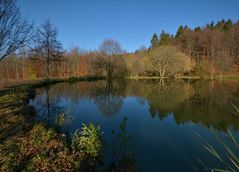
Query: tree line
(213, 48)
(28, 52)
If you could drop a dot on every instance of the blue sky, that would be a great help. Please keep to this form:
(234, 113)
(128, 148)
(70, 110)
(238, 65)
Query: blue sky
(86, 23)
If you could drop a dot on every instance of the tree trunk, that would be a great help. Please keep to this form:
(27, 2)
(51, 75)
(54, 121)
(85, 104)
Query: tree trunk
(109, 69)
(17, 72)
(212, 73)
(221, 75)
(47, 68)
(161, 73)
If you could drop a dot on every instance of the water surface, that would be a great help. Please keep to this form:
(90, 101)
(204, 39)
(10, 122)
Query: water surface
(164, 118)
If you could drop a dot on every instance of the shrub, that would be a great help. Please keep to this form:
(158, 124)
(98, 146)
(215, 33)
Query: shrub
(43, 149)
(88, 142)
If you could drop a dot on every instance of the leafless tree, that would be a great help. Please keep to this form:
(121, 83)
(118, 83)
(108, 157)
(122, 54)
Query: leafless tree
(14, 31)
(235, 42)
(48, 48)
(109, 48)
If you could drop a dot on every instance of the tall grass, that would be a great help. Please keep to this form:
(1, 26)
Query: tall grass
(231, 157)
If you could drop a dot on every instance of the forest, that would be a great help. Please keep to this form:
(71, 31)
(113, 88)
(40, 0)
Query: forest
(31, 52)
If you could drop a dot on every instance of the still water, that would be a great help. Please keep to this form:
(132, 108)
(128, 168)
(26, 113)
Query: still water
(164, 118)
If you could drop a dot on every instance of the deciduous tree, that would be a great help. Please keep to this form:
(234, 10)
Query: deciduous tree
(48, 48)
(109, 49)
(14, 31)
(168, 61)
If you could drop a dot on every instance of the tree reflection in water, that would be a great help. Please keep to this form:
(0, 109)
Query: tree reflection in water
(122, 150)
(50, 112)
(177, 106)
(109, 99)
(203, 102)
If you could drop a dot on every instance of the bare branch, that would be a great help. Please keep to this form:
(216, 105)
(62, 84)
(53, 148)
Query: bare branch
(14, 30)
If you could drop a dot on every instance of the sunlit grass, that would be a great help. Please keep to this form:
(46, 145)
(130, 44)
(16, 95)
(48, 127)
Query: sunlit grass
(236, 109)
(166, 77)
(205, 77)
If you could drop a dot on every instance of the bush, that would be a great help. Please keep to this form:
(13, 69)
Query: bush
(44, 150)
(88, 142)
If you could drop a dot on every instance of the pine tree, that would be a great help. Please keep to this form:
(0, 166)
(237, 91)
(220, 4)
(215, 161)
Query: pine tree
(154, 41)
(197, 29)
(164, 38)
(227, 25)
(179, 32)
(211, 26)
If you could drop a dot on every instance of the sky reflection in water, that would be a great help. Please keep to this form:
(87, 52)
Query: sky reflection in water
(162, 117)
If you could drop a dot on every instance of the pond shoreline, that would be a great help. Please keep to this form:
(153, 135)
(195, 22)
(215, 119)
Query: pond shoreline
(225, 77)
(14, 103)
(20, 135)
(32, 84)
(180, 96)
(43, 82)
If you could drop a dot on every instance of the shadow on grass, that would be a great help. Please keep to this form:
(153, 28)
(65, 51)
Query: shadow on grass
(15, 113)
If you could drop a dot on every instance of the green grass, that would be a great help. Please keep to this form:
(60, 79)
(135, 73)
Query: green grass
(76, 79)
(157, 77)
(41, 83)
(14, 112)
(206, 77)
(143, 77)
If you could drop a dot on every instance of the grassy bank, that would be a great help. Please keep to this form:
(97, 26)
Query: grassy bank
(26, 145)
(157, 77)
(225, 77)
(15, 114)
(30, 85)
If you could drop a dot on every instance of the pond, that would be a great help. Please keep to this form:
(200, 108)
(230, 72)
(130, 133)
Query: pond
(167, 121)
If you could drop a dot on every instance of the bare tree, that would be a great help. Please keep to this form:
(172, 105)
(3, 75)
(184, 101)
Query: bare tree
(235, 42)
(109, 48)
(14, 31)
(48, 48)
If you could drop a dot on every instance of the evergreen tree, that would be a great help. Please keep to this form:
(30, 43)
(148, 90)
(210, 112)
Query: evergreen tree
(197, 29)
(154, 41)
(220, 24)
(179, 32)
(227, 25)
(164, 38)
(211, 26)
